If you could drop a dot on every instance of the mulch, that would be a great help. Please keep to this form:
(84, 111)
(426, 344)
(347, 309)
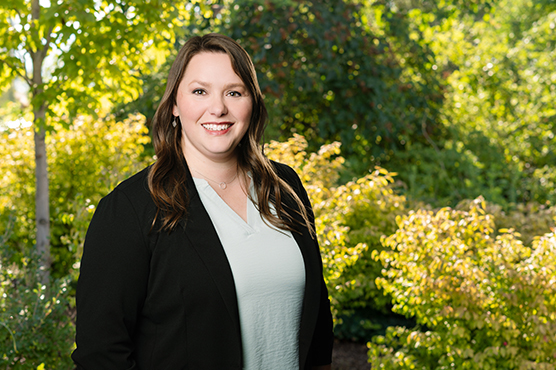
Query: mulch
(349, 356)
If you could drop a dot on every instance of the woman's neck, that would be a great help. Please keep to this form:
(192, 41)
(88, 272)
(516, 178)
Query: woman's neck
(217, 172)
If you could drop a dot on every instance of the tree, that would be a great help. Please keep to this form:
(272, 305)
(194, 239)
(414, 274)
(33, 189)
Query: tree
(328, 76)
(497, 109)
(81, 57)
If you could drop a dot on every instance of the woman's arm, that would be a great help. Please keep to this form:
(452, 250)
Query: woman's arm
(111, 287)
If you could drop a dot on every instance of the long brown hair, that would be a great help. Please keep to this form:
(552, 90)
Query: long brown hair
(169, 173)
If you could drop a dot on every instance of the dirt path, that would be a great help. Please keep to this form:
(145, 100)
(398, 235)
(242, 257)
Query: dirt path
(349, 356)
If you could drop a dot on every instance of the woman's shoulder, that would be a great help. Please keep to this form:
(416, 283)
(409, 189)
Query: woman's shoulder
(290, 176)
(136, 184)
(126, 212)
(284, 171)
(132, 192)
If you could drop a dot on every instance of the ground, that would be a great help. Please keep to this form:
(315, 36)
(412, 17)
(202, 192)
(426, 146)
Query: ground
(349, 356)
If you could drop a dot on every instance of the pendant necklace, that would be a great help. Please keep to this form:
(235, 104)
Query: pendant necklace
(221, 184)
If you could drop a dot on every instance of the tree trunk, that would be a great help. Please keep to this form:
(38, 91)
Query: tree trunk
(42, 207)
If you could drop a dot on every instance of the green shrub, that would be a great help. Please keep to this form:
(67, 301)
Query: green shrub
(456, 171)
(350, 220)
(529, 220)
(35, 327)
(85, 162)
(480, 301)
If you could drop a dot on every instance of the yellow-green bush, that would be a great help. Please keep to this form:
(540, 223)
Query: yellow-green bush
(350, 220)
(481, 301)
(85, 162)
(527, 219)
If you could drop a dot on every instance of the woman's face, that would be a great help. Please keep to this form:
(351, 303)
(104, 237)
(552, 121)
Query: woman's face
(214, 107)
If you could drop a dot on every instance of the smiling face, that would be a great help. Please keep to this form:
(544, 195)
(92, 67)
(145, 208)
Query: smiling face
(214, 107)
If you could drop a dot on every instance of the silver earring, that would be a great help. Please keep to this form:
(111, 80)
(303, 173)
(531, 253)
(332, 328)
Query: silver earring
(174, 123)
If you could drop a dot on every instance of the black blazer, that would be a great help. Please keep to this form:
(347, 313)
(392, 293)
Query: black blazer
(153, 300)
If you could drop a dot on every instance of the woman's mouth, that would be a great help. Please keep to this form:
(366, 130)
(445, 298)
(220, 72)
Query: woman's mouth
(216, 127)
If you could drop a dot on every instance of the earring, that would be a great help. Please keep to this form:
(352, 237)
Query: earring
(174, 123)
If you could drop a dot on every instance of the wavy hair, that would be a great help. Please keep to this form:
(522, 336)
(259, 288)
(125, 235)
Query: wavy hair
(169, 173)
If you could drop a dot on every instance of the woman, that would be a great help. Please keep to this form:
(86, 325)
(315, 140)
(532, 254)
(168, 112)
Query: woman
(207, 259)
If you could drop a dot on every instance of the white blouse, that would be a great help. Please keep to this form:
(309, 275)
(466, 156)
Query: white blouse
(269, 276)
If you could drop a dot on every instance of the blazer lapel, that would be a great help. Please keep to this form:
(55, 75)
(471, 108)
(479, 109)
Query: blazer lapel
(204, 239)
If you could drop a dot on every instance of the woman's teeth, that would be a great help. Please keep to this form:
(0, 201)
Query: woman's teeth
(214, 127)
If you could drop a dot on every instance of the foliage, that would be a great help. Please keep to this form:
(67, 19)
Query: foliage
(498, 111)
(95, 48)
(35, 328)
(481, 301)
(327, 77)
(454, 172)
(528, 220)
(350, 220)
(86, 161)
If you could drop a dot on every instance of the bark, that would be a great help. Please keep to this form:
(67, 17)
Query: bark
(42, 208)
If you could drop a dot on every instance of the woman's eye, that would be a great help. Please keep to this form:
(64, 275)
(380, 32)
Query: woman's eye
(198, 92)
(234, 93)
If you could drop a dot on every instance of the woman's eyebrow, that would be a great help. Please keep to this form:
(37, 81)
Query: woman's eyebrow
(228, 86)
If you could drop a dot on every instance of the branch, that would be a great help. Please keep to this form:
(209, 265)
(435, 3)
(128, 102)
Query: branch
(18, 13)
(11, 334)
(25, 77)
(426, 135)
(46, 45)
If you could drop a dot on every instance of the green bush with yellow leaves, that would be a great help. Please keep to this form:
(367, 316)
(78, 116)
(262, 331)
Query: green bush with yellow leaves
(350, 220)
(85, 161)
(481, 298)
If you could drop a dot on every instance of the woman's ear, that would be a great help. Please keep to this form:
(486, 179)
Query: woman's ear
(175, 111)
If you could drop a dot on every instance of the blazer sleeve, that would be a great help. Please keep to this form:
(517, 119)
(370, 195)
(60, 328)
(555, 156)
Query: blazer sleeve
(320, 352)
(112, 285)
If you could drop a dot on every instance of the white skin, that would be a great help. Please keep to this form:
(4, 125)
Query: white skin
(214, 108)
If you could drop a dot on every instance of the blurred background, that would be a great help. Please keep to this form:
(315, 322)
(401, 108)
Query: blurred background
(423, 130)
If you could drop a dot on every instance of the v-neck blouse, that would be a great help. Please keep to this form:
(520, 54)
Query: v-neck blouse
(269, 277)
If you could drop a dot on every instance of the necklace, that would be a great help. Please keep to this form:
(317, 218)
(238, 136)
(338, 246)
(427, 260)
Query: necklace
(221, 184)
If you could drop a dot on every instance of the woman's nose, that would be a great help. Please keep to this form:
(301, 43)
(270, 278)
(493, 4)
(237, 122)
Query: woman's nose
(218, 106)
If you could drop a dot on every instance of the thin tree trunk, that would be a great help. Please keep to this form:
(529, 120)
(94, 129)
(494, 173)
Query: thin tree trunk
(42, 208)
